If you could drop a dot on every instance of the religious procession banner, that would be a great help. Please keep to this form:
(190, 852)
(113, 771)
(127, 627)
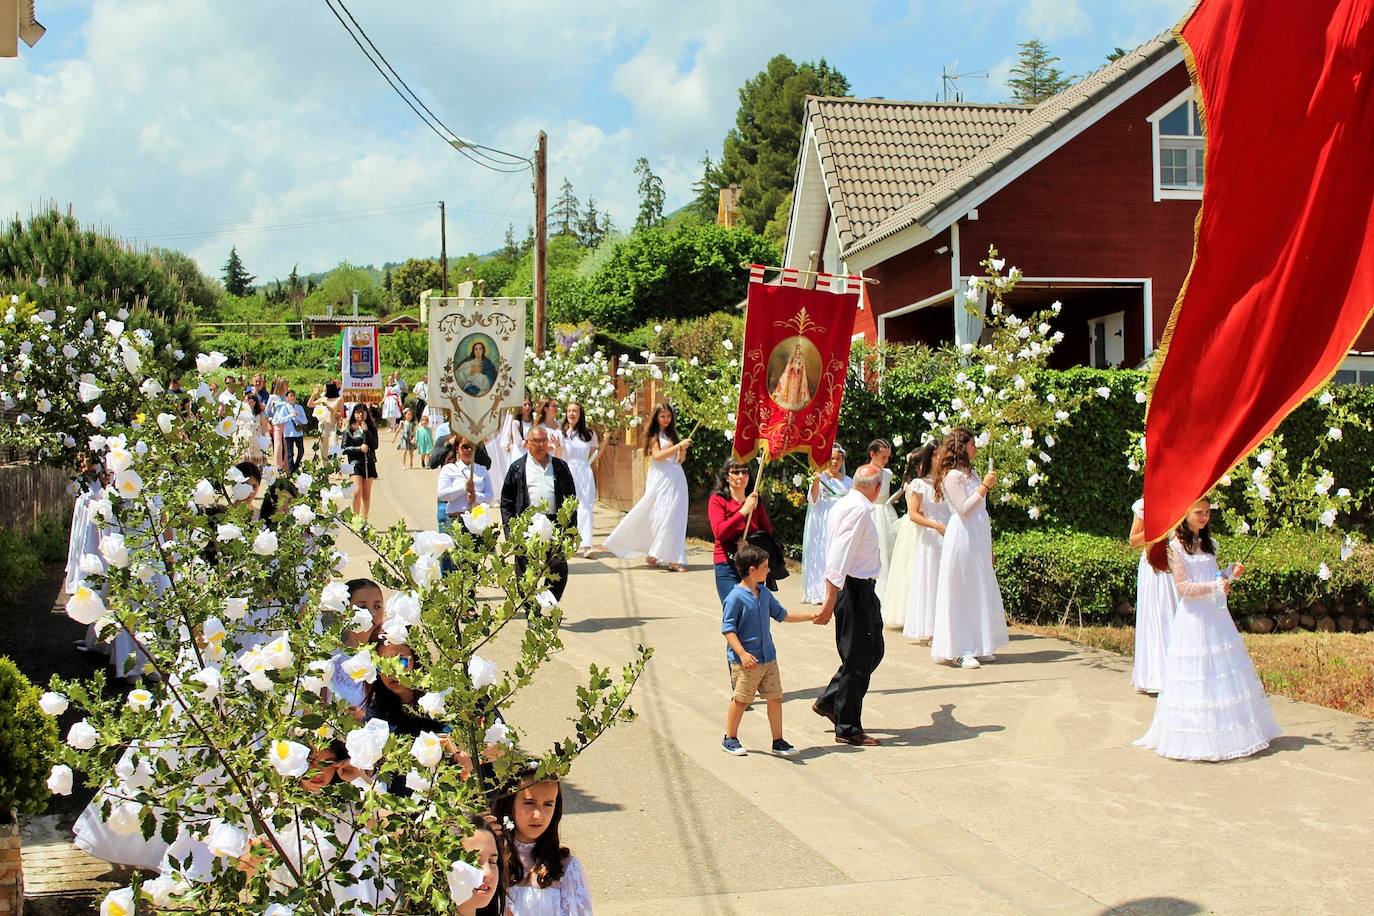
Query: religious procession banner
(361, 356)
(796, 357)
(1282, 279)
(476, 361)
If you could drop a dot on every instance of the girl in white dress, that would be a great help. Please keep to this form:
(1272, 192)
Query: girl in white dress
(657, 525)
(543, 877)
(885, 520)
(513, 433)
(580, 449)
(548, 418)
(897, 582)
(391, 401)
(1212, 706)
(1155, 601)
(930, 516)
(970, 622)
(826, 490)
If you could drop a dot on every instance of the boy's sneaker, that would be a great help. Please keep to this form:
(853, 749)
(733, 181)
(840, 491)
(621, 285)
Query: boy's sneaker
(732, 746)
(783, 749)
(968, 661)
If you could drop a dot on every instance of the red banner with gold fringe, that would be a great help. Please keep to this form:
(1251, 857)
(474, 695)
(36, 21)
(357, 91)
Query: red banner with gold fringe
(1282, 280)
(796, 357)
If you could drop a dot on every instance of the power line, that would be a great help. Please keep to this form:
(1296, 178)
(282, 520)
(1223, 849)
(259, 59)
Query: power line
(208, 222)
(453, 140)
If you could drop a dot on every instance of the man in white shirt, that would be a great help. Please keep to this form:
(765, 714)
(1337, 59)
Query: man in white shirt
(852, 564)
(541, 482)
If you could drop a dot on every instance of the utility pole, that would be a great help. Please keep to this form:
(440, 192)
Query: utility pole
(541, 239)
(443, 246)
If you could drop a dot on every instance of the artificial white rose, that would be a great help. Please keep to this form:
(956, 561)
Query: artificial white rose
(60, 780)
(91, 565)
(163, 890)
(303, 514)
(151, 388)
(361, 621)
(235, 608)
(417, 783)
(431, 543)
(226, 841)
(464, 879)
(204, 494)
(1328, 518)
(1334, 433)
(289, 758)
(483, 672)
(88, 391)
(427, 750)
(85, 605)
(128, 484)
(54, 704)
(210, 680)
(140, 699)
(96, 417)
(1347, 549)
(498, 733)
(334, 597)
(1103, 392)
(119, 460)
(209, 362)
(114, 550)
(118, 903)
(360, 668)
(1324, 572)
(125, 819)
(432, 703)
(366, 745)
(478, 519)
(425, 571)
(225, 427)
(82, 736)
(227, 533)
(540, 528)
(265, 544)
(303, 482)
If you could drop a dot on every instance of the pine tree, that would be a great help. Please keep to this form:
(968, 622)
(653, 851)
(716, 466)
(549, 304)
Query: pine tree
(565, 210)
(650, 196)
(237, 280)
(707, 190)
(528, 244)
(386, 280)
(589, 230)
(1035, 76)
(510, 249)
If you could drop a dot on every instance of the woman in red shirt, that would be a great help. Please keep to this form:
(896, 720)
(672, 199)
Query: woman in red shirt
(729, 511)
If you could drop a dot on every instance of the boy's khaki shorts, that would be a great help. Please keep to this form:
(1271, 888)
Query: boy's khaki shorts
(762, 679)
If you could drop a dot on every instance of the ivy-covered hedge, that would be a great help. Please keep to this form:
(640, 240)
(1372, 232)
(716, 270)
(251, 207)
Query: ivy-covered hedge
(22, 555)
(1048, 576)
(405, 350)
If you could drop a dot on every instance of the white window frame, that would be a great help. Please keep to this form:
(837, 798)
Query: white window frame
(1162, 193)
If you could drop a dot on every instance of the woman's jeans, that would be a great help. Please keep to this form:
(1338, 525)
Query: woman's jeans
(726, 579)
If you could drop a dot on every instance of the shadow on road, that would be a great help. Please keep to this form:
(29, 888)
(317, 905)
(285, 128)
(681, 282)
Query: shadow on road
(943, 728)
(600, 624)
(1156, 906)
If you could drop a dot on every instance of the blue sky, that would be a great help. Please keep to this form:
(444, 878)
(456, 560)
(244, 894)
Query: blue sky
(200, 124)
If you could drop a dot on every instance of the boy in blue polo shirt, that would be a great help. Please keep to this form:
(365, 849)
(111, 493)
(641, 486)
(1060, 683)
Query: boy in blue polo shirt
(749, 610)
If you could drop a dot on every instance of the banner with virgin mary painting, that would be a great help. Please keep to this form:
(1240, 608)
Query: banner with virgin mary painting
(476, 361)
(796, 358)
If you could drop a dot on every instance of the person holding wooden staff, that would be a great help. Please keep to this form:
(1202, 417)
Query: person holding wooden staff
(734, 511)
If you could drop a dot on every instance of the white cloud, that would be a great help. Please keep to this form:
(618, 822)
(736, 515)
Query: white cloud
(1050, 19)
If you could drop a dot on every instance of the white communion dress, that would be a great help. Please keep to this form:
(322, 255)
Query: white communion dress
(1155, 601)
(897, 582)
(1212, 706)
(578, 454)
(969, 617)
(567, 897)
(656, 526)
(830, 491)
(925, 567)
(886, 522)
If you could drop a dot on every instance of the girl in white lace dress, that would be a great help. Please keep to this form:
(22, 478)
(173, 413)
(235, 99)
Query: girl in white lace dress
(826, 490)
(656, 526)
(1212, 706)
(580, 448)
(970, 622)
(543, 878)
(1155, 601)
(929, 516)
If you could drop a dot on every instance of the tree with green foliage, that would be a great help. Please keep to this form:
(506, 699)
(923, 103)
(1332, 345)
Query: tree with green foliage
(510, 248)
(199, 291)
(336, 291)
(591, 227)
(706, 189)
(566, 209)
(776, 230)
(657, 273)
(412, 278)
(761, 149)
(237, 280)
(386, 280)
(651, 196)
(1035, 76)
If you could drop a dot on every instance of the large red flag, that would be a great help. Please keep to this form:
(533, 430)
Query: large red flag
(796, 356)
(1282, 280)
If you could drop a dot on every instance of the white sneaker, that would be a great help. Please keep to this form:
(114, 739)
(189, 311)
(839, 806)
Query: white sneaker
(968, 661)
(987, 658)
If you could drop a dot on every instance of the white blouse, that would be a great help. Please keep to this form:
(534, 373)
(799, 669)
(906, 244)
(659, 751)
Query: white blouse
(567, 897)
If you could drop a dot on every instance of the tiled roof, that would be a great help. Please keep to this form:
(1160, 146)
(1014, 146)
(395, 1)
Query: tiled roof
(1038, 125)
(879, 155)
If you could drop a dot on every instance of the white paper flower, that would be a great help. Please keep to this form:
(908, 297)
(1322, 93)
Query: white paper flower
(498, 733)
(225, 427)
(209, 362)
(1334, 433)
(360, 668)
(1328, 518)
(425, 571)
(118, 903)
(235, 608)
(163, 889)
(1347, 551)
(227, 533)
(478, 519)
(85, 605)
(366, 745)
(432, 703)
(88, 392)
(1242, 527)
(431, 543)
(60, 780)
(1326, 398)
(1324, 572)
(114, 550)
(289, 758)
(54, 704)
(361, 621)
(334, 597)
(128, 484)
(265, 544)
(204, 494)
(82, 736)
(1061, 415)
(119, 460)
(1266, 458)
(427, 750)
(482, 672)
(303, 514)
(124, 819)
(464, 879)
(151, 388)
(417, 783)
(139, 699)
(728, 344)
(96, 417)
(226, 841)
(210, 681)
(1103, 392)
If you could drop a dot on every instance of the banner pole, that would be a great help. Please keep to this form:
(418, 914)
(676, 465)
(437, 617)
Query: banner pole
(758, 481)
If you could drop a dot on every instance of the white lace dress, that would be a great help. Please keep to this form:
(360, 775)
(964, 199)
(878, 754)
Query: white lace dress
(1212, 706)
(885, 520)
(1155, 601)
(578, 454)
(830, 491)
(969, 617)
(568, 896)
(656, 526)
(925, 571)
(897, 582)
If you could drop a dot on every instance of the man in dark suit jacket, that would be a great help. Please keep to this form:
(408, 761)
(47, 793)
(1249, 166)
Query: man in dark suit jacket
(538, 477)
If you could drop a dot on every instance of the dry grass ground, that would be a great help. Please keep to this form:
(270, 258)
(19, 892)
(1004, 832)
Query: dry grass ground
(1335, 670)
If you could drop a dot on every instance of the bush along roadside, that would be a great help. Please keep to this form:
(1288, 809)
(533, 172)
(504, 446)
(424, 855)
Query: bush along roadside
(1066, 577)
(23, 555)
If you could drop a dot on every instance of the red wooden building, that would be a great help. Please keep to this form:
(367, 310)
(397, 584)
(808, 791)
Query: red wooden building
(1092, 194)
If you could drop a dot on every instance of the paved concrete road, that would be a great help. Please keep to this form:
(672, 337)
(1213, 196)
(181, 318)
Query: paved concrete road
(1010, 789)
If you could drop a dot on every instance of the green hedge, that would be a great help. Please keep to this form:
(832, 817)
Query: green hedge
(405, 350)
(1047, 576)
(22, 555)
(28, 745)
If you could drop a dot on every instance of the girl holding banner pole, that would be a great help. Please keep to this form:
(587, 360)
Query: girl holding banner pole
(656, 526)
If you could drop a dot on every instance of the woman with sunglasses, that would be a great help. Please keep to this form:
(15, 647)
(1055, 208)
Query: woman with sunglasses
(733, 511)
(463, 483)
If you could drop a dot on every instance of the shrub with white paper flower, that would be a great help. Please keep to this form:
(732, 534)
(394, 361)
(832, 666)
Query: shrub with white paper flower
(582, 373)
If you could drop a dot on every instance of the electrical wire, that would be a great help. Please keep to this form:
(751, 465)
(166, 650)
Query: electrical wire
(453, 140)
(249, 221)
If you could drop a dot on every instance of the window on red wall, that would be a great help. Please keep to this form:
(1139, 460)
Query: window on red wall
(1178, 149)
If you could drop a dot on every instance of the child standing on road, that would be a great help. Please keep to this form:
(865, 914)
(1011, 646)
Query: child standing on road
(424, 439)
(753, 660)
(407, 443)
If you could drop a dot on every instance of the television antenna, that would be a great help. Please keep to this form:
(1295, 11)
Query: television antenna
(949, 80)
